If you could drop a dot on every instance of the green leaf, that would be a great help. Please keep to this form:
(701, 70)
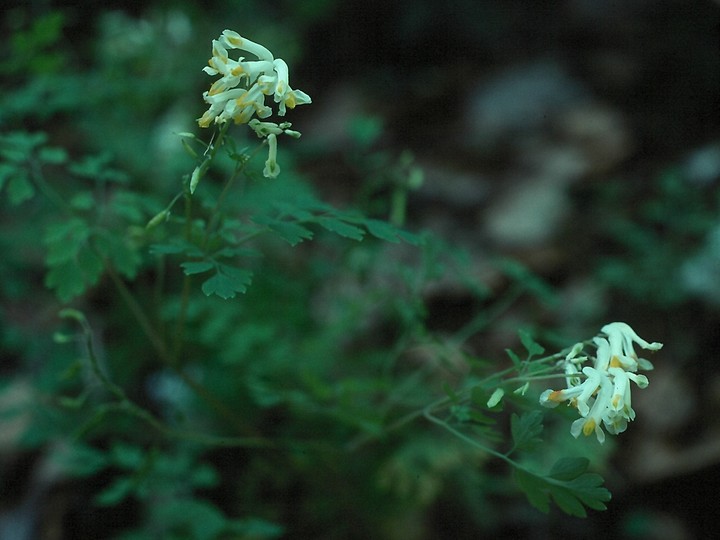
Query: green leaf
(198, 267)
(82, 201)
(116, 492)
(383, 230)
(72, 278)
(64, 240)
(198, 519)
(18, 146)
(568, 503)
(127, 456)
(514, 357)
(20, 189)
(495, 400)
(80, 460)
(292, 233)
(340, 227)
(571, 488)
(96, 168)
(123, 255)
(204, 476)
(535, 489)
(569, 468)
(390, 233)
(530, 345)
(588, 488)
(526, 429)
(53, 156)
(227, 282)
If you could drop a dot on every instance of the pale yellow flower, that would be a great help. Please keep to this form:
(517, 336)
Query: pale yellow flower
(240, 92)
(603, 398)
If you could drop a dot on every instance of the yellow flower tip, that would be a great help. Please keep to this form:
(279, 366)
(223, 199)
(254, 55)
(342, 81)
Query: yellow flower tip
(557, 395)
(204, 120)
(235, 41)
(616, 400)
(588, 427)
(218, 55)
(615, 362)
(237, 70)
(217, 87)
(290, 101)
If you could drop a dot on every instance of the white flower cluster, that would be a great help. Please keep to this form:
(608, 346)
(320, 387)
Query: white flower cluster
(603, 397)
(241, 91)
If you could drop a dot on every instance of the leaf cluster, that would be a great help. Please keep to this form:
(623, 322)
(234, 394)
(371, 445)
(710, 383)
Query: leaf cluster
(152, 474)
(568, 483)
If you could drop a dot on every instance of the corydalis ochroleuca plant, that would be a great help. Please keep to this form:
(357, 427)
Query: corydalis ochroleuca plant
(241, 91)
(599, 387)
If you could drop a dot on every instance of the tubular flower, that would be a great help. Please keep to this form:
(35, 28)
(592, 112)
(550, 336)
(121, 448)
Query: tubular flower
(239, 94)
(272, 169)
(621, 338)
(603, 398)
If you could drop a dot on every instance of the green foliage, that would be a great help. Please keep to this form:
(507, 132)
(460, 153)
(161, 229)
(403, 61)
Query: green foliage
(251, 361)
(22, 155)
(569, 486)
(531, 346)
(32, 49)
(73, 264)
(526, 430)
(226, 282)
(660, 240)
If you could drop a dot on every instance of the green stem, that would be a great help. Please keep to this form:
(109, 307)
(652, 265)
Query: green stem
(459, 397)
(164, 429)
(169, 360)
(485, 318)
(179, 335)
(428, 415)
(139, 314)
(215, 212)
(127, 405)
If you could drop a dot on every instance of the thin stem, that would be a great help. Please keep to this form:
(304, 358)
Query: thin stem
(139, 314)
(179, 335)
(170, 360)
(397, 424)
(127, 405)
(215, 212)
(429, 416)
(484, 319)
(459, 397)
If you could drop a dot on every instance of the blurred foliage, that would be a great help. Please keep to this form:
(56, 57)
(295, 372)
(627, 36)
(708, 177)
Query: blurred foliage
(216, 374)
(662, 232)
